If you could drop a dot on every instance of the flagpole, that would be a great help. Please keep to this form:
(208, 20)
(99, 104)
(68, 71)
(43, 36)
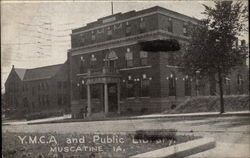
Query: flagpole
(112, 8)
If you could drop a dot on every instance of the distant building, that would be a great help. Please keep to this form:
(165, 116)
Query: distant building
(37, 90)
(109, 73)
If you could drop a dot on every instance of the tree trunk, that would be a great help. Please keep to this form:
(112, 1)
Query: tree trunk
(221, 91)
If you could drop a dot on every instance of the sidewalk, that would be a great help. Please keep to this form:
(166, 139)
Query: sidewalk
(21, 122)
(67, 118)
(201, 114)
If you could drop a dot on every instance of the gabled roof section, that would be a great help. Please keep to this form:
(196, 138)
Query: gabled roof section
(42, 72)
(20, 72)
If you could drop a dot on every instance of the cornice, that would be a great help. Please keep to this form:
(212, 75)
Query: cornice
(172, 15)
(125, 41)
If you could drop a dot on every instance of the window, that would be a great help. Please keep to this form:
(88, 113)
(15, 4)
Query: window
(92, 61)
(59, 85)
(65, 84)
(65, 99)
(187, 83)
(128, 29)
(83, 93)
(82, 39)
(33, 91)
(144, 86)
(170, 25)
(46, 85)
(117, 26)
(185, 27)
(227, 85)
(39, 102)
(82, 68)
(44, 100)
(129, 58)
(109, 33)
(240, 83)
(59, 99)
(130, 87)
(142, 25)
(144, 57)
(93, 36)
(47, 99)
(172, 85)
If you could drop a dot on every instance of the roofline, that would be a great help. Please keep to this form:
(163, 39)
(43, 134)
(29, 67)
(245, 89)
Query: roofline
(158, 10)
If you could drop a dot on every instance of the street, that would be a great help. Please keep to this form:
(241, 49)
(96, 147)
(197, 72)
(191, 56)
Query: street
(229, 132)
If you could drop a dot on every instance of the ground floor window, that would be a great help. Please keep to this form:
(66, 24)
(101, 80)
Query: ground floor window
(187, 82)
(59, 99)
(83, 92)
(172, 85)
(130, 89)
(144, 88)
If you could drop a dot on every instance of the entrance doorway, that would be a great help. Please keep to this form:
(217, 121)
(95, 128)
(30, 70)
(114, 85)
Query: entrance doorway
(112, 97)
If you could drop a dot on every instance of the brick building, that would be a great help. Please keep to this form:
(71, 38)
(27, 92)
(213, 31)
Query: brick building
(37, 90)
(109, 73)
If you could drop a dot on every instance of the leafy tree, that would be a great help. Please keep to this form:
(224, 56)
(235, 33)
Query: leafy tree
(211, 50)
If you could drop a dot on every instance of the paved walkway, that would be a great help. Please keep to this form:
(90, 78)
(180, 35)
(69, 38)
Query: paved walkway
(225, 150)
(194, 114)
(66, 118)
(37, 121)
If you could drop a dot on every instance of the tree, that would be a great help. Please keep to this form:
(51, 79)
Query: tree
(211, 50)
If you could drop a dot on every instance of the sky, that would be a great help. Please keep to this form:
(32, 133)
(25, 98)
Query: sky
(35, 34)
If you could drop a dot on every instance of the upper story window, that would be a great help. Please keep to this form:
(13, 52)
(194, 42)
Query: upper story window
(185, 27)
(117, 26)
(170, 24)
(142, 25)
(64, 84)
(93, 35)
(82, 68)
(144, 57)
(128, 29)
(82, 39)
(93, 61)
(109, 32)
(59, 85)
(129, 58)
(101, 30)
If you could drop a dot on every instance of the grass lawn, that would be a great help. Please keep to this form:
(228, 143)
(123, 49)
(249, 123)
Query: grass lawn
(73, 145)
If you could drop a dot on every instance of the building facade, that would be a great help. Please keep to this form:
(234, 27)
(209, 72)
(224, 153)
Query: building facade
(42, 90)
(110, 73)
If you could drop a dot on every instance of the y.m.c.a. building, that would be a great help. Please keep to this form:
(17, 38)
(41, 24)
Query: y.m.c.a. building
(110, 73)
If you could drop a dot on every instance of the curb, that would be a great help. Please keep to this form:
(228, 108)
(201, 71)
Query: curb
(153, 117)
(180, 150)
